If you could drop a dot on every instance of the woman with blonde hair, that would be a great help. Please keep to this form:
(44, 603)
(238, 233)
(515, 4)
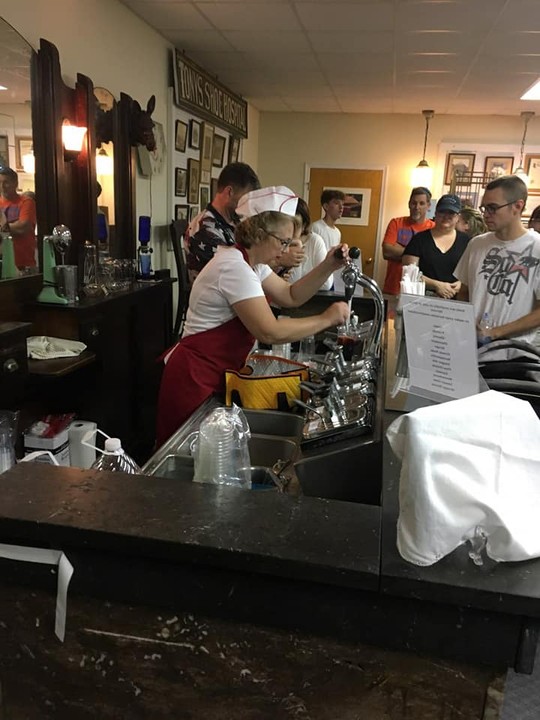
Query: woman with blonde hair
(471, 222)
(229, 307)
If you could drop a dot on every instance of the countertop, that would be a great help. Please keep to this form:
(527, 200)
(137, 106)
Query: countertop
(146, 536)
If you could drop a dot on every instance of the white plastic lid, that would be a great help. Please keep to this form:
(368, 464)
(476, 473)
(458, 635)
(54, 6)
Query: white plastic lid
(112, 445)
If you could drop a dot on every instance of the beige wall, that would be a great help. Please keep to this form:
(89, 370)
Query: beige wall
(289, 141)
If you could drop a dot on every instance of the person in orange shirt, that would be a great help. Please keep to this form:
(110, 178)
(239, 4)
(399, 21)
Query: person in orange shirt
(399, 232)
(18, 218)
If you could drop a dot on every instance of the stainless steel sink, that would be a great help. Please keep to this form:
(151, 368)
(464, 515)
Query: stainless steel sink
(264, 452)
(273, 422)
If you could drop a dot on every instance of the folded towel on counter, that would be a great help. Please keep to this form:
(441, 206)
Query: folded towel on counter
(41, 347)
(467, 464)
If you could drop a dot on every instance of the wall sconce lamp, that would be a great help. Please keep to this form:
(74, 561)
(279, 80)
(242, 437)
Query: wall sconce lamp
(72, 138)
(104, 163)
(422, 174)
(527, 116)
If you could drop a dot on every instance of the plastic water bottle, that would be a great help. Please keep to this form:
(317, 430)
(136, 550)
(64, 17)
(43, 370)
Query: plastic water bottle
(485, 327)
(114, 459)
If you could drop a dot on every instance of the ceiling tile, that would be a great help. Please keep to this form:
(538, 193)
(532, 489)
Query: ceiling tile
(277, 42)
(170, 16)
(347, 42)
(196, 41)
(321, 17)
(248, 17)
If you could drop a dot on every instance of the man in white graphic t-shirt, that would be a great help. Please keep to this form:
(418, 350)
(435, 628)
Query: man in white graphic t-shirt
(500, 270)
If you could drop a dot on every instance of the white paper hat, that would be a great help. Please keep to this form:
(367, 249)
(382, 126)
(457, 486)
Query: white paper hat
(278, 198)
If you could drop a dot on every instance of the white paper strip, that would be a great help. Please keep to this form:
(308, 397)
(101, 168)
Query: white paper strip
(47, 557)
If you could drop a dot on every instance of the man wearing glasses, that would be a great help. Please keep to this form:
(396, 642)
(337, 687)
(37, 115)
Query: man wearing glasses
(500, 270)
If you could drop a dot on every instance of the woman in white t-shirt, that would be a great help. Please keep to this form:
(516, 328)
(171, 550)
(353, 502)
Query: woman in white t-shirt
(314, 248)
(229, 308)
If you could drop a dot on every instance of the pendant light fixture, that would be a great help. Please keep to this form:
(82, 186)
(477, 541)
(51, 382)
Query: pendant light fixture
(527, 115)
(422, 175)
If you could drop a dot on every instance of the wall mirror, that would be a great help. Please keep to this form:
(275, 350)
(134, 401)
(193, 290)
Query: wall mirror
(16, 138)
(105, 103)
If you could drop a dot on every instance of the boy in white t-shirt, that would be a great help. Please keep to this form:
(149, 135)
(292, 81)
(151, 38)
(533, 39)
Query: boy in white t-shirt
(332, 204)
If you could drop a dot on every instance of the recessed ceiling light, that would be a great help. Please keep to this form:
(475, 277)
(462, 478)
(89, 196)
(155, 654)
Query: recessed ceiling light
(2, 87)
(533, 93)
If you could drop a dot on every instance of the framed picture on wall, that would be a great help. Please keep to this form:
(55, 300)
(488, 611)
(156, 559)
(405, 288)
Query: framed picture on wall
(180, 136)
(180, 181)
(532, 168)
(218, 151)
(23, 146)
(194, 179)
(194, 134)
(494, 167)
(460, 164)
(193, 211)
(469, 199)
(213, 187)
(4, 150)
(181, 212)
(234, 149)
(207, 142)
(205, 195)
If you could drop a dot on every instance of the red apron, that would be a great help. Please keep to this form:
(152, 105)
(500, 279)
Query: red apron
(196, 370)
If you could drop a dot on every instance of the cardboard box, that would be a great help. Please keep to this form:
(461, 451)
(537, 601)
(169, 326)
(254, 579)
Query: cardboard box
(57, 445)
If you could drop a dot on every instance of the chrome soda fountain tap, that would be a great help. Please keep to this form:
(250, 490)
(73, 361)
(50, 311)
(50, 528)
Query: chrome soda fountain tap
(352, 276)
(62, 240)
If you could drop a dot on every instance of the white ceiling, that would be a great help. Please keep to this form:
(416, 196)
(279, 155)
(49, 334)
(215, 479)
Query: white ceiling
(361, 56)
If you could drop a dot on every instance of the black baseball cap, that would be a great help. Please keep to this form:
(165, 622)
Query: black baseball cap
(449, 203)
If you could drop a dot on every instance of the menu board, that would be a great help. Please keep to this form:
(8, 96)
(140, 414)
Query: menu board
(441, 348)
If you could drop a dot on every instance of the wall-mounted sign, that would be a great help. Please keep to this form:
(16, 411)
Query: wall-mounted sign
(195, 90)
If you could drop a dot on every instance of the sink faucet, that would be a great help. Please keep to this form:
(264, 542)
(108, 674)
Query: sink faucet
(352, 276)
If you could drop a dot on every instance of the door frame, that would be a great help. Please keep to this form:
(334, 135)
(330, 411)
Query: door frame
(379, 269)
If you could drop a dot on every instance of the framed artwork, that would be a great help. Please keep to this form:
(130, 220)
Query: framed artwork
(4, 150)
(194, 134)
(213, 187)
(159, 153)
(234, 149)
(193, 211)
(23, 146)
(532, 168)
(469, 199)
(205, 195)
(459, 164)
(180, 182)
(494, 167)
(194, 179)
(207, 142)
(180, 136)
(143, 156)
(218, 151)
(355, 206)
(181, 212)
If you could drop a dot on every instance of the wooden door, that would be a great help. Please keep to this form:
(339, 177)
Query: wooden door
(363, 236)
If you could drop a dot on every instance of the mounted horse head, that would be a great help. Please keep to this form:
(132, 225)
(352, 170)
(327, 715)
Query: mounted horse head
(142, 125)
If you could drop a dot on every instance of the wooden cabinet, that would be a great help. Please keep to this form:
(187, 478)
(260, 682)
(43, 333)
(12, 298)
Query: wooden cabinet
(127, 332)
(13, 363)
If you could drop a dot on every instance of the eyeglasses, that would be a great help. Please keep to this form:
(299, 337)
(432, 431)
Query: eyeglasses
(284, 243)
(492, 208)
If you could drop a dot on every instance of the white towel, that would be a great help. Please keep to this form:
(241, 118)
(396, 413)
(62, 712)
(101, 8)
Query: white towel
(468, 463)
(41, 347)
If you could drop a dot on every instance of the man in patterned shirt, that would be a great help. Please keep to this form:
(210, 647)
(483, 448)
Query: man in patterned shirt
(215, 224)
